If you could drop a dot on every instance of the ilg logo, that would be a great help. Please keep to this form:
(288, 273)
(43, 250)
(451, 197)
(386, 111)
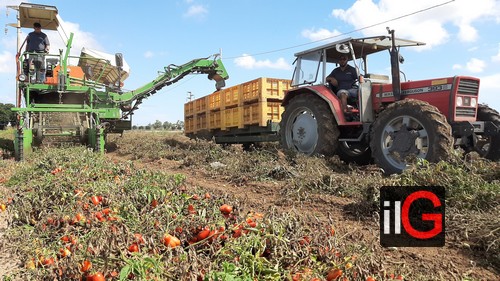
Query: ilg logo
(412, 216)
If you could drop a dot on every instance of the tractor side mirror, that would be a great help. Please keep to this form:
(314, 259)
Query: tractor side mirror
(401, 59)
(342, 48)
(119, 60)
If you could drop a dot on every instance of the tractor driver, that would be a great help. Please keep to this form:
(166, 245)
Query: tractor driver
(38, 42)
(342, 80)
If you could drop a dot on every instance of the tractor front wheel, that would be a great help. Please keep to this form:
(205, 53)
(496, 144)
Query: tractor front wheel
(407, 130)
(488, 146)
(308, 126)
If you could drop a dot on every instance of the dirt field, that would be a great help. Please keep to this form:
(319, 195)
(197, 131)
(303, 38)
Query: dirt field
(456, 261)
(449, 262)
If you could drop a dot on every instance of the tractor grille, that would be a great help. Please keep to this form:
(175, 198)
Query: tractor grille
(468, 87)
(466, 111)
(467, 90)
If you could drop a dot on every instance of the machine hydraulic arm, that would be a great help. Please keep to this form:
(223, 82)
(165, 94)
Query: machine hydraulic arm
(212, 66)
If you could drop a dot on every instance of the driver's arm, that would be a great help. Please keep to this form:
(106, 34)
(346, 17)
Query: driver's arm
(332, 80)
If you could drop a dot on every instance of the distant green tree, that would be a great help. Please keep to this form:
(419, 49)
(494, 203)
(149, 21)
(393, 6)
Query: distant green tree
(167, 125)
(157, 125)
(179, 125)
(6, 114)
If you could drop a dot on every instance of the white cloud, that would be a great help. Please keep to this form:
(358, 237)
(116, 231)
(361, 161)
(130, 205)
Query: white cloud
(320, 34)
(475, 65)
(249, 62)
(149, 54)
(196, 11)
(489, 88)
(427, 26)
(457, 66)
(80, 39)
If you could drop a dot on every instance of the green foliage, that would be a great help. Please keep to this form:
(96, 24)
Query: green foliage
(469, 184)
(6, 114)
(230, 272)
(273, 249)
(52, 194)
(142, 267)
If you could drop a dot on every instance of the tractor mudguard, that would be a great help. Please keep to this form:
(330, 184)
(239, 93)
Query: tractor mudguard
(325, 94)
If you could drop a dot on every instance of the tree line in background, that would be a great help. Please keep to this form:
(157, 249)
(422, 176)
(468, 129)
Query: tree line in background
(158, 125)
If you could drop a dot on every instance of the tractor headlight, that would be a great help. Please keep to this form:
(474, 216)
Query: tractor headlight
(473, 102)
(459, 101)
(22, 77)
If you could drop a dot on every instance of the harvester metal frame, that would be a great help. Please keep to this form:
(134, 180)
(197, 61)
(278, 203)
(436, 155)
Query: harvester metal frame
(99, 104)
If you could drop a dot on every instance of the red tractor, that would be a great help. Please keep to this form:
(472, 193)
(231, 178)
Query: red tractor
(391, 122)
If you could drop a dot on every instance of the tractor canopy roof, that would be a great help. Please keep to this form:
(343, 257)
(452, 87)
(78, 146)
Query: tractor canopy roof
(30, 13)
(362, 47)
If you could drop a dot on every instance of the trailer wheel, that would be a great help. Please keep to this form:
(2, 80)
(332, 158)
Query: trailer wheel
(308, 126)
(355, 152)
(488, 146)
(407, 130)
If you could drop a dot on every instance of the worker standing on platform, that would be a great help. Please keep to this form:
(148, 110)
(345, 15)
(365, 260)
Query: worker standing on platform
(37, 44)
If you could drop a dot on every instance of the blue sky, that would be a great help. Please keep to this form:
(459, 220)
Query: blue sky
(259, 39)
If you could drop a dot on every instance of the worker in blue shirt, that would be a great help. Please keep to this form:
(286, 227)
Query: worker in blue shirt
(38, 44)
(342, 80)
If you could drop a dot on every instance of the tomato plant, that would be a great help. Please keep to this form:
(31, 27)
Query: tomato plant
(171, 241)
(133, 248)
(95, 200)
(86, 266)
(226, 209)
(98, 276)
(334, 274)
(203, 234)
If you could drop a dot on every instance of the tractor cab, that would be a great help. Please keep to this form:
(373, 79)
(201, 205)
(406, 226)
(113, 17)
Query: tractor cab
(314, 65)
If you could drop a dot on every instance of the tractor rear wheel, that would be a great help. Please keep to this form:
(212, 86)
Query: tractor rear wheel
(488, 146)
(308, 126)
(407, 130)
(355, 152)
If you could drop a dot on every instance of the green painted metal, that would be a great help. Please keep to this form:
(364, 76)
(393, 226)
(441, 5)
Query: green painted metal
(98, 109)
(171, 75)
(23, 141)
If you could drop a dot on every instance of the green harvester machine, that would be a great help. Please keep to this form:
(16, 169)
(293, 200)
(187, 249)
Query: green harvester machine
(80, 99)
